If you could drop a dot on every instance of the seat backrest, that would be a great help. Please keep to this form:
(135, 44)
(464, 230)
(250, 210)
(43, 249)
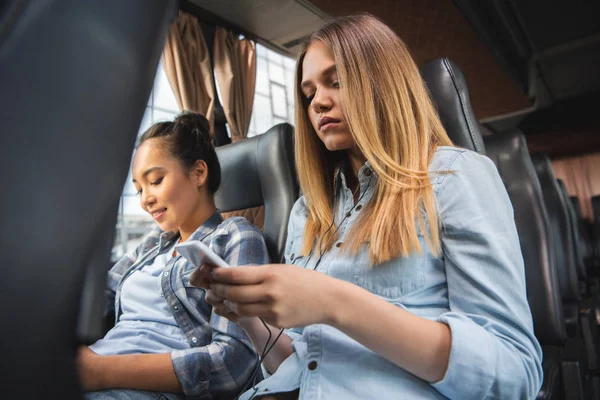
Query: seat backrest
(574, 231)
(585, 241)
(448, 88)
(559, 221)
(596, 228)
(511, 156)
(75, 77)
(260, 171)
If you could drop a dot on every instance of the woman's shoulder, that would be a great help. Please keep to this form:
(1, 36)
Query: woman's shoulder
(464, 171)
(449, 161)
(446, 157)
(238, 224)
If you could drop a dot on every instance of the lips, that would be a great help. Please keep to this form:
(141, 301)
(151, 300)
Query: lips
(156, 214)
(324, 121)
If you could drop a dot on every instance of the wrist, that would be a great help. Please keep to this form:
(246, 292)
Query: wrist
(336, 298)
(250, 324)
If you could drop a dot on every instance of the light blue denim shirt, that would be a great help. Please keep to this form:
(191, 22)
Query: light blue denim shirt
(476, 286)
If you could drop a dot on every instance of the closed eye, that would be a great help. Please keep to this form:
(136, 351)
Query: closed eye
(157, 182)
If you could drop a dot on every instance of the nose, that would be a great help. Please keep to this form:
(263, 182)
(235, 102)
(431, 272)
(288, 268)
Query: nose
(147, 200)
(321, 102)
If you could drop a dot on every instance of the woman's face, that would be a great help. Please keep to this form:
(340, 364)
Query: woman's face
(168, 192)
(321, 87)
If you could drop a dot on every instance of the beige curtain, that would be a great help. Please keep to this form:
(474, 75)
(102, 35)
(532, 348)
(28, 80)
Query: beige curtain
(235, 69)
(186, 62)
(582, 179)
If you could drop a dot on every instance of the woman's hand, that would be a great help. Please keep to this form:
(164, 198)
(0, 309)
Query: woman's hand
(89, 369)
(284, 296)
(201, 278)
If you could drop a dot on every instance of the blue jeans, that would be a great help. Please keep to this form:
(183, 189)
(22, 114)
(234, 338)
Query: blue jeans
(130, 394)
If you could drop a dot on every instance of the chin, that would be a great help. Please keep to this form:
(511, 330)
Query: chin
(336, 145)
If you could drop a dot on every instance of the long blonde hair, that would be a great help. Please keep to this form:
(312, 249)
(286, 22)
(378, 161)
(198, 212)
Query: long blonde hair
(396, 127)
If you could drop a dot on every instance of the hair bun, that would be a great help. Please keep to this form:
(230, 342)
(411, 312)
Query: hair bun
(193, 120)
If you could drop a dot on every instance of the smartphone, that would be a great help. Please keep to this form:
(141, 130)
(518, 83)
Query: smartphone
(199, 254)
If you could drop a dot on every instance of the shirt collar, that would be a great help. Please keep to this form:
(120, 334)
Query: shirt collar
(364, 174)
(168, 238)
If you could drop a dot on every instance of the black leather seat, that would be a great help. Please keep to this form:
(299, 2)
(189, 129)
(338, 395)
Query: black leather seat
(574, 234)
(511, 156)
(596, 230)
(559, 220)
(75, 78)
(576, 365)
(260, 171)
(585, 243)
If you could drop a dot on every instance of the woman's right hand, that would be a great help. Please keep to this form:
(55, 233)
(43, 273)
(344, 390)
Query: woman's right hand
(202, 278)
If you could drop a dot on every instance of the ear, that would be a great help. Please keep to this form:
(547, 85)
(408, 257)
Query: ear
(200, 173)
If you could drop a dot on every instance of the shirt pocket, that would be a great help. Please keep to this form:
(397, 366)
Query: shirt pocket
(393, 279)
(293, 251)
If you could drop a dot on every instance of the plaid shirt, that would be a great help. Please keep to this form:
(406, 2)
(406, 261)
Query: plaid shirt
(221, 358)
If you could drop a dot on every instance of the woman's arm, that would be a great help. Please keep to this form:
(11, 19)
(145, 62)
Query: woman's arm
(130, 371)
(259, 335)
(287, 296)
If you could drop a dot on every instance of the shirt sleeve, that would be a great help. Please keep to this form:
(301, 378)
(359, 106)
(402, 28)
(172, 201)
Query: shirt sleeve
(295, 231)
(494, 353)
(115, 274)
(225, 365)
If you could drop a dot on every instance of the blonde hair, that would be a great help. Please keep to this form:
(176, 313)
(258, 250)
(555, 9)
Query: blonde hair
(396, 127)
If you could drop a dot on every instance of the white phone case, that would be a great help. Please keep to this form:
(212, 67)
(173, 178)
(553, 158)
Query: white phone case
(199, 254)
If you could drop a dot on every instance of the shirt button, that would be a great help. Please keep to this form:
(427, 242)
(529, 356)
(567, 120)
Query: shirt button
(166, 274)
(312, 365)
(368, 172)
(348, 214)
(338, 244)
(176, 307)
(292, 256)
(358, 207)
(195, 339)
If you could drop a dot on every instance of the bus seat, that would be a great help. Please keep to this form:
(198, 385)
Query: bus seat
(75, 78)
(448, 88)
(575, 366)
(260, 171)
(510, 154)
(573, 225)
(596, 229)
(585, 243)
(559, 220)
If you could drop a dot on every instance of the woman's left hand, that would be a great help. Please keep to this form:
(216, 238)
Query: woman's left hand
(89, 369)
(284, 296)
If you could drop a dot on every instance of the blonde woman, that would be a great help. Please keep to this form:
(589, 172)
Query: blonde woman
(411, 281)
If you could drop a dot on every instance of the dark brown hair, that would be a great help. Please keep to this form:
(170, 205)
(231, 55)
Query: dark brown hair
(187, 138)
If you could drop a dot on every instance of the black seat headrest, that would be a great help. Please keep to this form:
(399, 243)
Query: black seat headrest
(450, 94)
(511, 156)
(261, 171)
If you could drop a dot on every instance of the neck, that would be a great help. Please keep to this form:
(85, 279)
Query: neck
(204, 211)
(355, 161)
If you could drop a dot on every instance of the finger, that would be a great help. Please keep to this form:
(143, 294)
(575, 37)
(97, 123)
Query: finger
(241, 293)
(201, 277)
(212, 298)
(225, 312)
(246, 275)
(262, 310)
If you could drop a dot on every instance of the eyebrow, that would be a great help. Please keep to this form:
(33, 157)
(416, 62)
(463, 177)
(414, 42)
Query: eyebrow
(328, 71)
(148, 171)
